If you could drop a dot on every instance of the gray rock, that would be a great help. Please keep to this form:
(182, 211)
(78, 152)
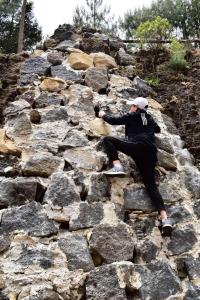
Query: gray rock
(44, 294)
(193, 267)
(193, 292)
(88, 216)
(179, 214)
(196, 208)
(19, 191)
(97, 79)
(42, 164)
(182, 240)
(112, 242)
(144, 90)
(61, 191)
(147, 250)
(55, 114)
(16, 106)
(65, 74)
(159, 281)
(18, 126)
(126, 92)
(26, 79)
(48, 99)
(103, 283)
(31, 257)
(93, 45)
(77, 252)
(166, 160)
(9, 165)
(4, 243)
(192, 180)
(36, 65)
(65, 45)
(55, 58)
(170, 124)
(28, 218)
(63, 32)
(123, 58)
(164, 144)
(74, 138)
(99, 188)
(136, 198)
(142, 227)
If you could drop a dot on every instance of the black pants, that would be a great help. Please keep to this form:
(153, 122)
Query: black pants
(146, 168)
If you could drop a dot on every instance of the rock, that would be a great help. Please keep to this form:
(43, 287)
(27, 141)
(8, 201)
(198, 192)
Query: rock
(28, 79)
(164, 143)
(7, 146)
(156, 279)
(61, 191)
(66, 45)
(48, 99)
(34, 257)
(142, 87)
(118, 81)
(77, 252)
(36, 65)
(16, 106)
(97, 79)
(166, 160)
(19, 191)
(55, 58)
(49, 43)
(116, 44)
(155, 105)
(87, 215)
(182, 240)
(74, 138)
(42, 164)
(80, 61)
(112, 242)
(4, 245)
(193, 267)
(52, 85)
(103, 283)
(192, 180)
(63, 32)
(196, 208)
(179, 214)
(55, 114)
(9, 165)
(65, 74)
(142, 227)
(18, 127)
(35, 116)
(28, 218)
(102, 60)
(170, 124)
(98, 128)
(137, 199)
(94, 45)
(124, 58)
(193, 292)
(147, 250)
(84, 159)
(99, 188)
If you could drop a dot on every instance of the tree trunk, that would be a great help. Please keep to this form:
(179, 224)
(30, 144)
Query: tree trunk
(21, 27)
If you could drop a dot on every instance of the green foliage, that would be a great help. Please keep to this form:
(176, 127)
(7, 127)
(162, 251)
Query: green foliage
(9, 26)
(153, 81)
(157, 29)
(177, 53)
(95, 15)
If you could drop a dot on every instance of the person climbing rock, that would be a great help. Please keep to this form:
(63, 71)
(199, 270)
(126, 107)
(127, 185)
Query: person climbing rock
(139, 144)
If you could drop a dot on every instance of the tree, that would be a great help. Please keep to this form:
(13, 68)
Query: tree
(10, 12)
(94, 15)
(21, 27)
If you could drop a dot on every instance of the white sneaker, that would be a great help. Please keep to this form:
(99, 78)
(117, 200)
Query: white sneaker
(115, 171)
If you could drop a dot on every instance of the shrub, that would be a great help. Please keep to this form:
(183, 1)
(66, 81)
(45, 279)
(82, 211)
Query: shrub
(153, 81)
(177, 54)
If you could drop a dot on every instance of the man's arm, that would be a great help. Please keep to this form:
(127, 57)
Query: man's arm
(122, 120)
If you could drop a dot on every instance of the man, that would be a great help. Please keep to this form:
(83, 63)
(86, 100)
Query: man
(139, 144)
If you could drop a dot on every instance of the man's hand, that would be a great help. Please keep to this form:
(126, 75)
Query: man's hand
(101, 113)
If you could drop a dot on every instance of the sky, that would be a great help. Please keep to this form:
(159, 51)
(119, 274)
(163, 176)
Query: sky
(51, 13)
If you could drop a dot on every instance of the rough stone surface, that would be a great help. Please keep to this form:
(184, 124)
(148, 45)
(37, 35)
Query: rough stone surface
(52, 85)
(97, 79)
(61, 191)
(124, 58)
(147, 250)
(193, 292)
(77, 252)
(55, 114)
(80, 61)
(166, 160)
(55, 58)
(193, 267)
(74, 138)
(16, 106)
(36, 65)
(99, 188)
(102, 60)
(28, 218)
(18, 126)
(93, 45)
(65, 74)
(142, 87)
(4, 244)
(112, 243)
(197, 208)
(48, 99)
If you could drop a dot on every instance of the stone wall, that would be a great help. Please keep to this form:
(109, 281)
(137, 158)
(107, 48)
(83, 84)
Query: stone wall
(67, 231)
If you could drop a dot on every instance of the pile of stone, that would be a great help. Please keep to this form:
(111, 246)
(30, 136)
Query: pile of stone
(67, 231)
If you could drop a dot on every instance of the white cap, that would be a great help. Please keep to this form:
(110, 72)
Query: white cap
(140, 102)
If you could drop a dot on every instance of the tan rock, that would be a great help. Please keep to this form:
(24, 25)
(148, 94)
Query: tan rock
(155, 105)
(52, 85)
(102, 60)
(7, 146)
(80, 61)
(119, 81)
(98, 127)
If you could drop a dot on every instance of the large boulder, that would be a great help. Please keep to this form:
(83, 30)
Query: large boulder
(36, 65)
(97, 79)
(80, 61)
(92, 45)
(102, 60)
(65, 74)
(123, 58)
(52, 85)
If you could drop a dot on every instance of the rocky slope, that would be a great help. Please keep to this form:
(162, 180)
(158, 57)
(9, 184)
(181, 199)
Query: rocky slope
(68, 231)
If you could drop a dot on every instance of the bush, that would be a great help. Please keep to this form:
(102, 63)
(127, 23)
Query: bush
(157, 29)
(177, 54)
(153, 81)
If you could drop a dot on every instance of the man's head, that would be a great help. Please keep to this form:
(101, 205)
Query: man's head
(139, 102)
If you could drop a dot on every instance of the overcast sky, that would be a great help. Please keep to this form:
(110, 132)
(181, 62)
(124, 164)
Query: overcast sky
(51, 13)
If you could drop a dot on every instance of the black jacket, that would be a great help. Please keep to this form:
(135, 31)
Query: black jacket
(134, 128)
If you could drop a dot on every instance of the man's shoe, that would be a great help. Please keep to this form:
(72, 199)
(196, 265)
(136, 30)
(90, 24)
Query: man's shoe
(166, 227)
(115, 171)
